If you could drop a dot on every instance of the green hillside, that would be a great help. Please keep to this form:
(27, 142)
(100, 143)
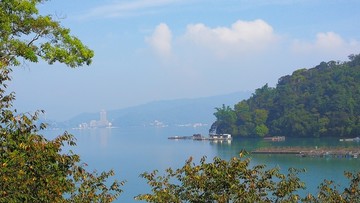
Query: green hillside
(318, 102)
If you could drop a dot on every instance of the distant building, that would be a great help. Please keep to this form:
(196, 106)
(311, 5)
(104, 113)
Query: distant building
(93, 124)
(83, 125)
(103, 118)
(157, 123)
(102, 123)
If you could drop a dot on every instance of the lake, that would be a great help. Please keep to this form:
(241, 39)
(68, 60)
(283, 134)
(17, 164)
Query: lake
(133, 150)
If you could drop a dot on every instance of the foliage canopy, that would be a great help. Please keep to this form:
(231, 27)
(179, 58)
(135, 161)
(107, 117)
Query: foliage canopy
(317, 102)
(33, 168)
(236, 181)
(27, 35)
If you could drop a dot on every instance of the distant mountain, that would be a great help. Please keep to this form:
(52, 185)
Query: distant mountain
(168, 112)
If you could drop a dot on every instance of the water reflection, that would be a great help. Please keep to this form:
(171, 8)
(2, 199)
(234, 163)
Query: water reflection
(317, 168)
(132, 151)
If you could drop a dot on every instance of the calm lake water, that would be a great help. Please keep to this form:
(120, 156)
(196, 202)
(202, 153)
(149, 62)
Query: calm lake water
(132, 151)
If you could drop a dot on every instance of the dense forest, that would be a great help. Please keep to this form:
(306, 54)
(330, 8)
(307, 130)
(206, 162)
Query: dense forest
(318, 102)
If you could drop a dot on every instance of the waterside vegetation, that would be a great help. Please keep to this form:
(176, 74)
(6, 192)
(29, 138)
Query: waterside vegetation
(35, 169)
(318, 102)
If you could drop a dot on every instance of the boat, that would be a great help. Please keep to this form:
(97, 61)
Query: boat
(198, 137)
(275, 138)
(220, 137)
(356, 139)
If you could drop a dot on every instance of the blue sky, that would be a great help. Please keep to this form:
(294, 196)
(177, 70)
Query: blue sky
(149, 50)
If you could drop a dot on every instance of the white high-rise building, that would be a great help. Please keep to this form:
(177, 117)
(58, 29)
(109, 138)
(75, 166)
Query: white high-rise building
(102, 123)
(103, 116)
(103, 120)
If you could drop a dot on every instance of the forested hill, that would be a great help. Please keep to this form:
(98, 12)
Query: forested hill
(318, 102)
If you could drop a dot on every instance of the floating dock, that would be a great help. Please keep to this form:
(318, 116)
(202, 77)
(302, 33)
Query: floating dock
(213, 137)
(352, 152)
(275, 138)
(180, 137)
(356, 139)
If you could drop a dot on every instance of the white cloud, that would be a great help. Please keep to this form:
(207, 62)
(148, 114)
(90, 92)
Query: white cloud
(160, 40)
(328, 43)
(242, 36)
(329, 40)
(240, 46)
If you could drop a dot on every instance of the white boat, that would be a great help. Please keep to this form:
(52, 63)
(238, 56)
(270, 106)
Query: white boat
(356, 139)
(275, 138)
(220, 137)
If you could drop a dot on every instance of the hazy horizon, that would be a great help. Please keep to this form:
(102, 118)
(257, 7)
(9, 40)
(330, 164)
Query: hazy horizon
(153, 50)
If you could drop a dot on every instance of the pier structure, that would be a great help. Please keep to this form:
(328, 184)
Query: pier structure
(212, 137)
(338, 152)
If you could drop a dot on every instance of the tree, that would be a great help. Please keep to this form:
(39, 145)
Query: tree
(33, 168)
(251, 122)
(222, 181)
(315, 102)
(328, 192)
(261, 130)
(235, 181)
(226, 118)
(27, 35)
(244, 119)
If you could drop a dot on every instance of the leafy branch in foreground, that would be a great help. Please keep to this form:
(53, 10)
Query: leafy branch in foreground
(34, 169)
(235, 181)
(222, 181)
(328, 191)
(27, 35)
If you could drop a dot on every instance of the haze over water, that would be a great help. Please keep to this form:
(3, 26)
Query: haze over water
(133, 150)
